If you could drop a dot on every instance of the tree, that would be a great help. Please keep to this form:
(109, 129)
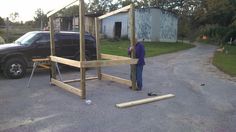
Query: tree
(29, 23)
(40, 19)
(2, 23)
(216, 19)
(215, 12)
(71, 11)
(123, 3)
(13, 16)
(101, 6)
(233, 4)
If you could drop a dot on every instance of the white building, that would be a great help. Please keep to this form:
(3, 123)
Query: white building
(151, 24)
(72, 23)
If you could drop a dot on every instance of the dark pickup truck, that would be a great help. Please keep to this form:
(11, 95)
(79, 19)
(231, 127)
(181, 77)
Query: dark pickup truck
(16, 57)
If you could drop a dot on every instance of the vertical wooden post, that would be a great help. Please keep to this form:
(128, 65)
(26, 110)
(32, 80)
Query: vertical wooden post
(97, 23)
(82, 49)
(52, 48)
(132, 44)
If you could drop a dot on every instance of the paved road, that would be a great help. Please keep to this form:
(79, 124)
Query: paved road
(205, 99)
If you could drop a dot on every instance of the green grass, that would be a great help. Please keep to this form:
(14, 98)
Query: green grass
(152, 48)
(226, 61)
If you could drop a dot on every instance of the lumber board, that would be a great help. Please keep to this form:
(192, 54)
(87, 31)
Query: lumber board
(98, 49)
(116, 79)
(66, 87)
(82, 47)
(126, 8)
(103, 63)
(44, 66)
(52, 48)
(144, 101)
(60, 8)
(40, 60)
(132, 44)
(65, 61)
(78, 80)
(113, 57)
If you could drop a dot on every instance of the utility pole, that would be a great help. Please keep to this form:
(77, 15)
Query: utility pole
(7, 28)
(41, 21)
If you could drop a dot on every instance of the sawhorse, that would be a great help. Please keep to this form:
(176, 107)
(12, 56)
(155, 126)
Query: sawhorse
(44, 63)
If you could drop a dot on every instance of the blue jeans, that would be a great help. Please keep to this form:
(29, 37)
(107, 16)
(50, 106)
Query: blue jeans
(139, 76)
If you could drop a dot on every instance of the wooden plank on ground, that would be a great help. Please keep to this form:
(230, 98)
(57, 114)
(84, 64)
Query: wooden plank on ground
(116, 79)
(113, 57)
(126, 8)
(65, 61)
(66, 87)
(143, 101)
(102, 63)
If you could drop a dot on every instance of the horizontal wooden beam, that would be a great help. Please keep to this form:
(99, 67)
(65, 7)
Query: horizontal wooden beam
(40, 60)
(102, 63)
(96, 63)
(66, 87)
(143, 101)
(60, 8)
(65, 61)
(78, 80)
(116, 79)
(44, 66)
(113, 57)
(126, 8)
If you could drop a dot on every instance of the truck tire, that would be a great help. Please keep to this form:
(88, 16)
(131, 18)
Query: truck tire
(14, 68)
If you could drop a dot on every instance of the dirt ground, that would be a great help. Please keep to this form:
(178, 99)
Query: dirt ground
(204, 99)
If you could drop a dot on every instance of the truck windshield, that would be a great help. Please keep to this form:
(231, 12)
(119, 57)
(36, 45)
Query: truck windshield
(27, 39)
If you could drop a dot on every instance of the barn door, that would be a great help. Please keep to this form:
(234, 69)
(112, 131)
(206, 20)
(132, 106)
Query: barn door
(118, 26)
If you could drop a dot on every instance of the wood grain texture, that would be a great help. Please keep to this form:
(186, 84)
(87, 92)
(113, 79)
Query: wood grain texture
(65, 61)
(144, 101)
(66, 87)
(113, 57)
(103, 63)
(116, 79)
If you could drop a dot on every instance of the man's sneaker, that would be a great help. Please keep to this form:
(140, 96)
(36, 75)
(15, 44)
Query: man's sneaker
(138, 89)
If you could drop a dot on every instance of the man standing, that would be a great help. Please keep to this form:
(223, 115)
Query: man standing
(139, 54)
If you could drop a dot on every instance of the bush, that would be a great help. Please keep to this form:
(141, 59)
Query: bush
(230, 34)
(1, 40)
(216, 33)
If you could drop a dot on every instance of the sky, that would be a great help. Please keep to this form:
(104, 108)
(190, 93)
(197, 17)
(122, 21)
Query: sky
(27, 8)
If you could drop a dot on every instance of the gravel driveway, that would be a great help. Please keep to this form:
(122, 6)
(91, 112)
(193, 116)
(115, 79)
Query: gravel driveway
(205, 99)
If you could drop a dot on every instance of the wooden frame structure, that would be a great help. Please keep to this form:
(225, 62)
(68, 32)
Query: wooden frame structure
(111, 60)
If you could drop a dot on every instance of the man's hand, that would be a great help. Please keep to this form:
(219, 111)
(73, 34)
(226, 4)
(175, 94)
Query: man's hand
(131, 48)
